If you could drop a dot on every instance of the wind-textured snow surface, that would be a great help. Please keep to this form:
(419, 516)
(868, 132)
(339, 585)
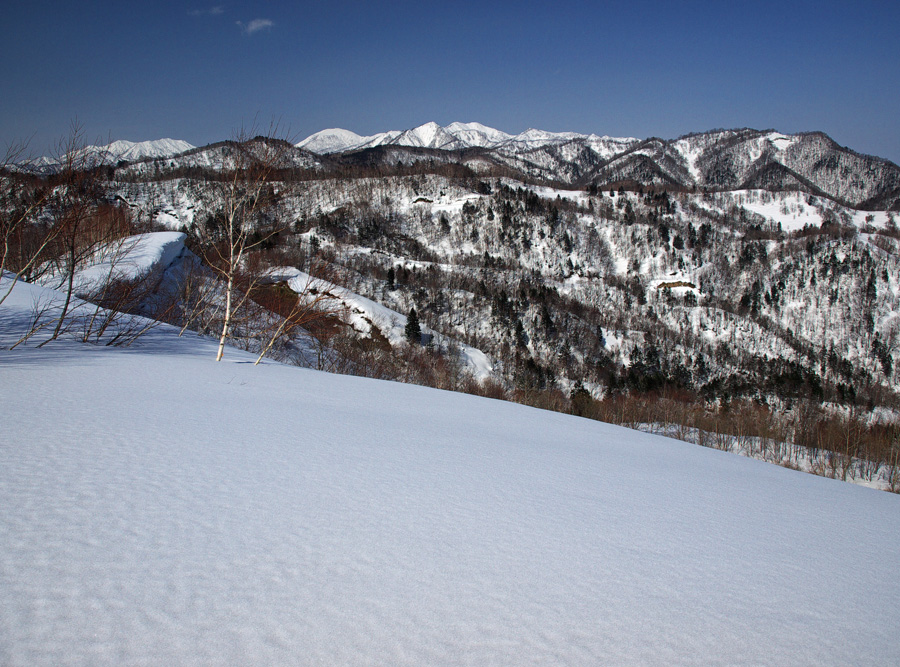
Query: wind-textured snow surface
(162, 508)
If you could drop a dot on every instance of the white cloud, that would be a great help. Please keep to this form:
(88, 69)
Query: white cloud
(256, 25)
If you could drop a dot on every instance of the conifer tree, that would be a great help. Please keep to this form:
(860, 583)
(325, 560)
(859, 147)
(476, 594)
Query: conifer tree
(413, 330)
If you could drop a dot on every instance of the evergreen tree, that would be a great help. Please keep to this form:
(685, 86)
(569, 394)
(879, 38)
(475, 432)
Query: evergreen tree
(413, 330)
(391, 278)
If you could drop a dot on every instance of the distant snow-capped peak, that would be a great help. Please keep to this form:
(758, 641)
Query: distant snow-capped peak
(429, 135)
(544, 137)
(458, 135)
(110, 154)
(454, 136)
(132, 151)
(331, 140)
(476, 134)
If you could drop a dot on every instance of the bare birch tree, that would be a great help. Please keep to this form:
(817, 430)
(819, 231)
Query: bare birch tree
(244, 198)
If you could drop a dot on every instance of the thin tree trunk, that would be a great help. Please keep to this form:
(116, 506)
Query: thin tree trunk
(69, 289)
(272, 340)
(227, 321)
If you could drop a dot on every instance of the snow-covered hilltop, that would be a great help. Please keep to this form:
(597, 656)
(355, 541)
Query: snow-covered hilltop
(333, 140)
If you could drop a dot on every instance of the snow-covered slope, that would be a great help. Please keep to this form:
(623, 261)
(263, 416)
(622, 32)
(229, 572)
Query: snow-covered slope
(130, 258)
(367, 317)
(532, 138)
(336, 140)
(38, 165)
(159, 507)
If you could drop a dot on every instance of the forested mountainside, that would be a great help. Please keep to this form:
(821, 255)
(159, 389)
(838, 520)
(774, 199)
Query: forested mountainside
(724, 268)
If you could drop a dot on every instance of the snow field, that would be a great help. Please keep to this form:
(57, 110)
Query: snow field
(161, 508)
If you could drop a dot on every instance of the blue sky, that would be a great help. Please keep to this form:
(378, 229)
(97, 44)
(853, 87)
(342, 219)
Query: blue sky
(198, 71)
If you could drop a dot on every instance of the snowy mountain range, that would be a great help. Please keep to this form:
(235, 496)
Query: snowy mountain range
(736, 291)
(456, 136)
(131, 151)
(110, 154)
(719, 159)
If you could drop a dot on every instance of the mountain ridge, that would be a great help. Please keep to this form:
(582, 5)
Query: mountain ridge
(719, 159)
(716, 160)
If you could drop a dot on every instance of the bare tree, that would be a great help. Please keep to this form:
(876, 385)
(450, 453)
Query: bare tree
(21, 196)
(53, 224)
(312, 301)
(83, 226)
(244, 200)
